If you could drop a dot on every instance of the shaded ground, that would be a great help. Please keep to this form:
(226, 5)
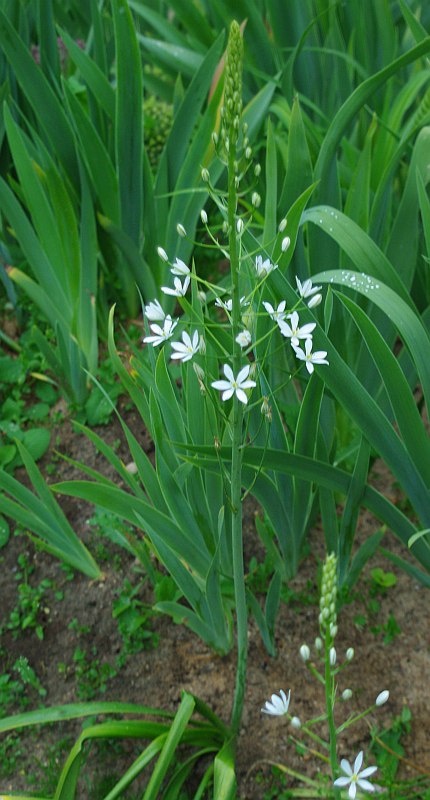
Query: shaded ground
(156, 675)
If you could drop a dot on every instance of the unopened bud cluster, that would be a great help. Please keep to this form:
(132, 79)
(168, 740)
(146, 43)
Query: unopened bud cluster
(232, 108)
(328, 617)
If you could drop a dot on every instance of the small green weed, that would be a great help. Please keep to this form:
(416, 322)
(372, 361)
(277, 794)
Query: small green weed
(92, 675)
(133, 617)
(27, 612)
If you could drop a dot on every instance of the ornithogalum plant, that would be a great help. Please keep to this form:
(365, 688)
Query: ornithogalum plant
(231, 344)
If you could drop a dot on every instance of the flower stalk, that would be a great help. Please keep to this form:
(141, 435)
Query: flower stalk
(231, 123)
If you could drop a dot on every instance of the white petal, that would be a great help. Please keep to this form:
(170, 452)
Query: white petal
(346, 767)
(222, 385)
(244, 372)
(341, 781)
(366, 785)
(240, 394)
(228, 372)
(366, 772)
(352, 790)
(358, 762)
(228, 393)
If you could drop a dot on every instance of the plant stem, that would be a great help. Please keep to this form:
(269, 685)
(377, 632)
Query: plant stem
(236, 466)
(329, 700)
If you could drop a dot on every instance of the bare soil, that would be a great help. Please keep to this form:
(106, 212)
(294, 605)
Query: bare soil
(155, 676)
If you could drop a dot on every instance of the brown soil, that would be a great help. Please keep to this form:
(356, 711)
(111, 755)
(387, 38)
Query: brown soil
(180, 661)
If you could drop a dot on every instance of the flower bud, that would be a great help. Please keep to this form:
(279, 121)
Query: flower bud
(349, 654)
(181, 230)
(282, 225)
(248, 153)
(332, 656)
(305, 652)
(295, 722)
(162, 253)
(256, 199)
(257, 170)
(243, 338)
(315, 301)
(285, 243)
(333, 631)
(225, 226)
(204, 217)
(266, 409)
(346, 694)
(215, 141)
(202, 296)
(239, 226)
(382, 698)
(318, 644)
(205, 175)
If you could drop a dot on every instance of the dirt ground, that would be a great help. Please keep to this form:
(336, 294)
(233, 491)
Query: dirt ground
(155, 676)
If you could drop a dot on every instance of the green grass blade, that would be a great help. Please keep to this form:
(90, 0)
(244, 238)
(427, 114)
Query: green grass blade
(352, 105)
(173, 739)
(271, 204)
(128, 120)
(40, 95)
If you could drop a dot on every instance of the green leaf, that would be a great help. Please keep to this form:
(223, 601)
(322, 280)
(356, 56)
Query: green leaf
(4, 532)
(128, 120)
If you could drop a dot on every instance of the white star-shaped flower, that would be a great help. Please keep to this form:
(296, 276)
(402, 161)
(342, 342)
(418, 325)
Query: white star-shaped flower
(278, 705)
(355, 777)
(306, 289)
(309, 357)
(180, 289)
(154, 312)
(275, 314)
(185, 350)
(235, 385)
(227, 305)
(263, 268)
(180, 268)
(161, 333)
(293, 331)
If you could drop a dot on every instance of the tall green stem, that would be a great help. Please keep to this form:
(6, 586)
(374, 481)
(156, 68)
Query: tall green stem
(236, 465)
(329, 700)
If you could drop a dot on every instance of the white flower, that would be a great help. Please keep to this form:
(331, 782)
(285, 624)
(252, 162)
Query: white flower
(180, 268)
(185, 350)
(286, 241)
(355, 777)
(305, 653)
(162, 253)
(227, 305)
(244, 338)
(235, 385)
(278, 705)
(311, 358)
(306, 289)
(294, 332)
(181, 230)
(295, 722)
(180, 289)
(315, 301)
(154, 312)
(263, 268)
(161, 333)
(382, 698)
(279, 313)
